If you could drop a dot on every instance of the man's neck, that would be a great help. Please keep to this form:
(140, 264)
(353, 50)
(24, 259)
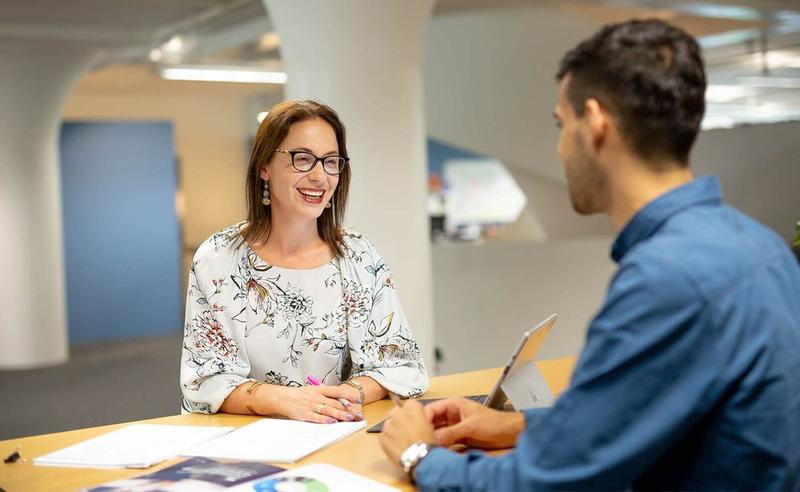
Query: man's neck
(633, 184)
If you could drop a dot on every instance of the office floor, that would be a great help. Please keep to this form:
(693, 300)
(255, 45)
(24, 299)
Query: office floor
(101, 384)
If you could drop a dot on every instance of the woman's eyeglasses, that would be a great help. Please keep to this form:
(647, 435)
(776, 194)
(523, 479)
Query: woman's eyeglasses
(305, 161)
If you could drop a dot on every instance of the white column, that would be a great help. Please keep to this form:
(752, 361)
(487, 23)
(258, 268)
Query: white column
(35, 80)
(364, 59)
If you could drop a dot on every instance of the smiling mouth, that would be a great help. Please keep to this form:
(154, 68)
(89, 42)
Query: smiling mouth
(311, 196)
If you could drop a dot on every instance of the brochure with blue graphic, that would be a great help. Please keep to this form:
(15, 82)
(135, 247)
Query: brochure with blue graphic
(195, 474)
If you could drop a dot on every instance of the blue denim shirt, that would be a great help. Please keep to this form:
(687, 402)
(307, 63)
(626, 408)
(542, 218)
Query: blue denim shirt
(690, 377)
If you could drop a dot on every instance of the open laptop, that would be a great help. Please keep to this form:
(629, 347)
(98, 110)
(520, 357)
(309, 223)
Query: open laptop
(519, 380)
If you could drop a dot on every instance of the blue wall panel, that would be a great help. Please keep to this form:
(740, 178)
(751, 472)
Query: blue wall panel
(439, 152)
(121, 231)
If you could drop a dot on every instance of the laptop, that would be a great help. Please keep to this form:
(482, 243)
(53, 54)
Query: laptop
(520, 382)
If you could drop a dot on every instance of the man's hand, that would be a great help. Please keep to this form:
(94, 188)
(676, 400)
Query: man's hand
(462, 421)
(406, 425)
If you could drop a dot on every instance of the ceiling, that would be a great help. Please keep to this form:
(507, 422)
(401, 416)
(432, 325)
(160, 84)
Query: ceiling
(746, 81)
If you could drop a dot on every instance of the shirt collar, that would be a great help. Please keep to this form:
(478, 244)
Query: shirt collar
(650, 218)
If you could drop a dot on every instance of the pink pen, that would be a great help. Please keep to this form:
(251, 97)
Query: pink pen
(316, 382)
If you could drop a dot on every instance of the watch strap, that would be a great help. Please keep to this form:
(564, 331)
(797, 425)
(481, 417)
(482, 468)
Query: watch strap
(413, 455)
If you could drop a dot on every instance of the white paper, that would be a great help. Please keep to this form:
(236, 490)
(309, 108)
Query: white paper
(275, 440)
(335, 479)
(134, 446)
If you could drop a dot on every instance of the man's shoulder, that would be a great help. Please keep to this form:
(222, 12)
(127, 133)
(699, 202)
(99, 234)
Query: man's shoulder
(647, 271)
(712, 248)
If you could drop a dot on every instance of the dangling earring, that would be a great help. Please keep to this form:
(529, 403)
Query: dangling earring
(266, 200)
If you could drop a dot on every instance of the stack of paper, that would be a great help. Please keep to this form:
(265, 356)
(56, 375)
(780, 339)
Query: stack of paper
(134, 446)
(275, 440)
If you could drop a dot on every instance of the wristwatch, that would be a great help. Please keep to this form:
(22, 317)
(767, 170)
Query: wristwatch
(413, 455)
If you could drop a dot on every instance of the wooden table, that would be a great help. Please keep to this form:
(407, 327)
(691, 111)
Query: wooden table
(360, 453)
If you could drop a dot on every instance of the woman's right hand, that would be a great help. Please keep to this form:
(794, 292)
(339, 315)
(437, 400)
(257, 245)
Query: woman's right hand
(318, 404)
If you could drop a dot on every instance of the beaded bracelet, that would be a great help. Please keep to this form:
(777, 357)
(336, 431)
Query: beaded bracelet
(359, 387)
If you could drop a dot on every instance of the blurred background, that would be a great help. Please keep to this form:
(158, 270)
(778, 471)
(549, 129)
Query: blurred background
(125, 132)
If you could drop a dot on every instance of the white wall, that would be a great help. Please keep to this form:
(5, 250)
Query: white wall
(550, 211)
(490, 88)
(487, 296)
(759, 167)
(489, 81)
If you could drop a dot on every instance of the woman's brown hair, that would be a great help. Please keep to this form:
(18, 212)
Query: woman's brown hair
(271, 132)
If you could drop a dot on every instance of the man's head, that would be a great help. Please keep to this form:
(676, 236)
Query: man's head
(641, 82)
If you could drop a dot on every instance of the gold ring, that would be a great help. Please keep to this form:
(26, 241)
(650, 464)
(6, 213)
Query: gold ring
(319, 408)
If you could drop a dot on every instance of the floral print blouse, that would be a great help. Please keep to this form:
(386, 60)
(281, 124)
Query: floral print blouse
(247, 320)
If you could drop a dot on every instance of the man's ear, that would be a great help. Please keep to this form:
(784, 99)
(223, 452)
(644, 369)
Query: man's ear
(597, 123)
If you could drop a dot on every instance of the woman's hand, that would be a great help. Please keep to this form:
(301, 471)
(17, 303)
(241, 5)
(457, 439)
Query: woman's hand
(318, 404)
(353, 396)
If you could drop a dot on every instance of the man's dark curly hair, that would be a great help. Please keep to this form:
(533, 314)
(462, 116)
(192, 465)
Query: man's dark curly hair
(650, 76)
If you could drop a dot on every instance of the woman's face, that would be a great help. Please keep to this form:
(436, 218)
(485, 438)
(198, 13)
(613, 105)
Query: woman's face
(296, 194)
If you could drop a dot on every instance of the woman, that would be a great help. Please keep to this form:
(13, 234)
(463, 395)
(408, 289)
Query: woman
(290, 294)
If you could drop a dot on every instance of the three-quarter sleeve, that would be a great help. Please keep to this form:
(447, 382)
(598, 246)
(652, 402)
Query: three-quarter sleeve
(213, 363)
(382, 345)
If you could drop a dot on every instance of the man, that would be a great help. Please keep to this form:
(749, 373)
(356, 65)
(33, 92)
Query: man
(690, 376)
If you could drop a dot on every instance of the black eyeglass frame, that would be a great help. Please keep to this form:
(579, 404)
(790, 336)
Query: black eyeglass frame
(292, 153)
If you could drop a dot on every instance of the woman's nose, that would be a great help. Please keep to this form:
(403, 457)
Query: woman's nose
(317, 173)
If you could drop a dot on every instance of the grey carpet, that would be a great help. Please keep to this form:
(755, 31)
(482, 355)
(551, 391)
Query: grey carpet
(101, 384)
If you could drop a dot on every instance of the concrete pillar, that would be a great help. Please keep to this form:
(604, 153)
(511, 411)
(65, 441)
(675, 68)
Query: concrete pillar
(35, 80)
(364, 59)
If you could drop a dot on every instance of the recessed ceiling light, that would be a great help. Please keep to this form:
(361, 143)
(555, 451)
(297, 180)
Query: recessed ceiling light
(718, 93)
(771, 82)
(223, 74)
(269, 41)
(174, 45)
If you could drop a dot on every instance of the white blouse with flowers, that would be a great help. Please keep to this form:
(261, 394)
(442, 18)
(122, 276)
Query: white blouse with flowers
(248, 320)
